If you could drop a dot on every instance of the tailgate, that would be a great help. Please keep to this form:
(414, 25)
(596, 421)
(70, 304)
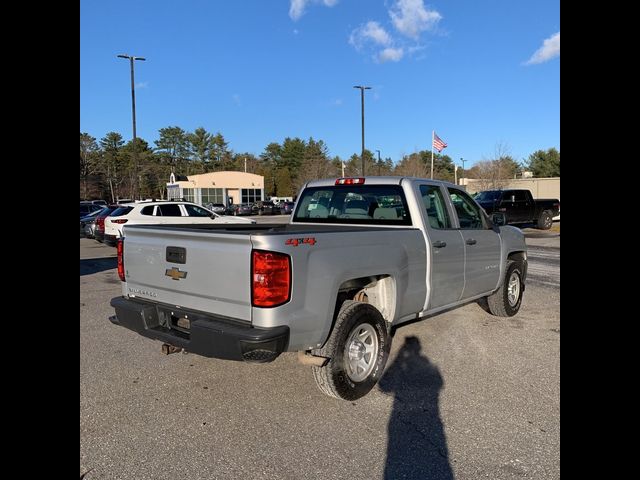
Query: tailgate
(203, 271)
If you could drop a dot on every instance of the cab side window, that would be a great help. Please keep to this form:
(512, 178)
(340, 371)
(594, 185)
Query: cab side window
(435, 207)
(469, 214)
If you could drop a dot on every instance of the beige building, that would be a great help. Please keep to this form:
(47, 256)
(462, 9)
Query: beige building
(218, 187)
(539, 187)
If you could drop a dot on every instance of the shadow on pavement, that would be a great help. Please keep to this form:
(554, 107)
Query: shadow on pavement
(417, 447)
(95, 265)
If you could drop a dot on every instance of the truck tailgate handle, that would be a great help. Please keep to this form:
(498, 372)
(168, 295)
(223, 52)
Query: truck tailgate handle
(439, 244)
(471, 241)
(176, 255)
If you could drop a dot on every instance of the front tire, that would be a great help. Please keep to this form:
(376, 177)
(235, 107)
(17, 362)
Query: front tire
(545, 220)
(358, 349)
(506, 301)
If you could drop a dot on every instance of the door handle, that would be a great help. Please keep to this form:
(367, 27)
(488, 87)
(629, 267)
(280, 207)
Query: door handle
(471, 241)
(439, 244)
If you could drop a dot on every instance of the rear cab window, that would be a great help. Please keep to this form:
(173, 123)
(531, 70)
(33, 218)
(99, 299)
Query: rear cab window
(353, 204)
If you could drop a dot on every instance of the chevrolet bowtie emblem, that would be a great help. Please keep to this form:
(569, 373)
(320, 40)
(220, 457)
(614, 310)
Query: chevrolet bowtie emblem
(175, 273)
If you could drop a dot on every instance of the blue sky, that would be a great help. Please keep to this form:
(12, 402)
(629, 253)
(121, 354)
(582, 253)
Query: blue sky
(481, 73)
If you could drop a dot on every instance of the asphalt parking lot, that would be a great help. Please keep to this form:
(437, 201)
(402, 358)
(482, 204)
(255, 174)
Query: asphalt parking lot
(465, 395)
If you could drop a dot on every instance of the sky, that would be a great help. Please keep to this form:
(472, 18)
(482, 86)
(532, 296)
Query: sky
(485, 75)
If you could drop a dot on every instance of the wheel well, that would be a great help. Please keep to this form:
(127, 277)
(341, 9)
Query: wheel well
(377, 290)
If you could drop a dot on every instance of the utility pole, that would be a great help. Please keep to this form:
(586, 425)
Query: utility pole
(133, 111)
(362, 89)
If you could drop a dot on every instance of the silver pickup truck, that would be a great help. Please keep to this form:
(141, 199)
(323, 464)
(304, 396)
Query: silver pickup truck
(359, 256)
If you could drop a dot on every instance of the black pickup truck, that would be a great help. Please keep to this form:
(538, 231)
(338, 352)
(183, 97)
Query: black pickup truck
(519, 206)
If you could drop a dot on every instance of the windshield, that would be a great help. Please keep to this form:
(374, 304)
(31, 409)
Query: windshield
(488, 196)
(353, 204)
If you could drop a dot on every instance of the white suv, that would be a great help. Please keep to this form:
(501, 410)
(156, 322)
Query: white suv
(158, 212)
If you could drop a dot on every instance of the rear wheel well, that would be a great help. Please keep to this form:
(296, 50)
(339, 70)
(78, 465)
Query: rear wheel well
(377, 290)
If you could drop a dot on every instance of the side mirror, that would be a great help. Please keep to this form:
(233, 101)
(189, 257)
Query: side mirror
(498, 219)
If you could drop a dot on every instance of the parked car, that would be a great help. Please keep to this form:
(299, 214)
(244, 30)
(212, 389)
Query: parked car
(218, 208)
(331, 285)
(98, 231)
(265, 207)
(519, 206)
(161, 212)
(88, 223)
(242, 209)
(87, 208)
(286, 207)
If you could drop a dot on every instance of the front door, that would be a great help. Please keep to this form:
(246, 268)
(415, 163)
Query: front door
(481, 245)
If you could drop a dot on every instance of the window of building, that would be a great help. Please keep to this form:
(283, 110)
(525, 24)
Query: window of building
(211, 195)
(189, 194)
(251, 195)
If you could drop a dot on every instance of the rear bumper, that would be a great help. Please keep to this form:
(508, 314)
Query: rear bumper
(208, 335)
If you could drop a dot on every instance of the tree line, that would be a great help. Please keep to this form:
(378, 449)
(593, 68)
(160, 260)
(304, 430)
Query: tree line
(113, 169)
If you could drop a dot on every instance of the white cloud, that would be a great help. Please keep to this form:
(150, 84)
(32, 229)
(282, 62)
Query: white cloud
(142, 85)
(550, 49)
(410, 17)
(297, 7)
(337, 102)
(390, 55)
(369, 32)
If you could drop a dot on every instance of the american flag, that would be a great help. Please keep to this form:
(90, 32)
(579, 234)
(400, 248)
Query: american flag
(437, 143)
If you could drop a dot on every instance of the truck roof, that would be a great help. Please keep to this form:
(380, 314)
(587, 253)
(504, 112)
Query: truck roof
(388, 180)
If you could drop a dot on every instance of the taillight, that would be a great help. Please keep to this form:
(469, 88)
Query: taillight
(100, 221)
(120, 220)
(349, 181)
(121, 258)
(270, 278)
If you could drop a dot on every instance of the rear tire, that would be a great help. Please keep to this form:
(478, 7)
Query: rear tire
(358, 349)
(545, 220)
(506, 301)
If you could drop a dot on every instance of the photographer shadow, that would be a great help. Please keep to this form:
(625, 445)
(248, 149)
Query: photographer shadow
(417, 445)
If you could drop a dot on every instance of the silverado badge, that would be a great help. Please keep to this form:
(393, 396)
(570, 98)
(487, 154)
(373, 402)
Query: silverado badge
(175, 273)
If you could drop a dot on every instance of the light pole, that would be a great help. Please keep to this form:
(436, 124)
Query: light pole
(462, 172)
(362, 89)
(133, 111)
(378, 162)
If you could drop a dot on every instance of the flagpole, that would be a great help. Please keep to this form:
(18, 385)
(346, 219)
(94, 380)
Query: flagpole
(432, 133)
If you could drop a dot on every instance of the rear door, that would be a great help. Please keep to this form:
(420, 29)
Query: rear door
(200, 270)
(446, 248)
(481, 245)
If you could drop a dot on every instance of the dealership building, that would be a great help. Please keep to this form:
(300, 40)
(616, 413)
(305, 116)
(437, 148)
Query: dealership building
(217, 187)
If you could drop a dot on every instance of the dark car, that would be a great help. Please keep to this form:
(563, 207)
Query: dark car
(242, 209)
(87, 208)
(287, 207)
(88, 224)
(519, 206)
(265, 208)
(218, 208)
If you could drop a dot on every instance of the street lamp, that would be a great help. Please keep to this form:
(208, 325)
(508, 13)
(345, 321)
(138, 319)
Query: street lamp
(362, 89)
(378, 162)
(462, 172)
(133, 111)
